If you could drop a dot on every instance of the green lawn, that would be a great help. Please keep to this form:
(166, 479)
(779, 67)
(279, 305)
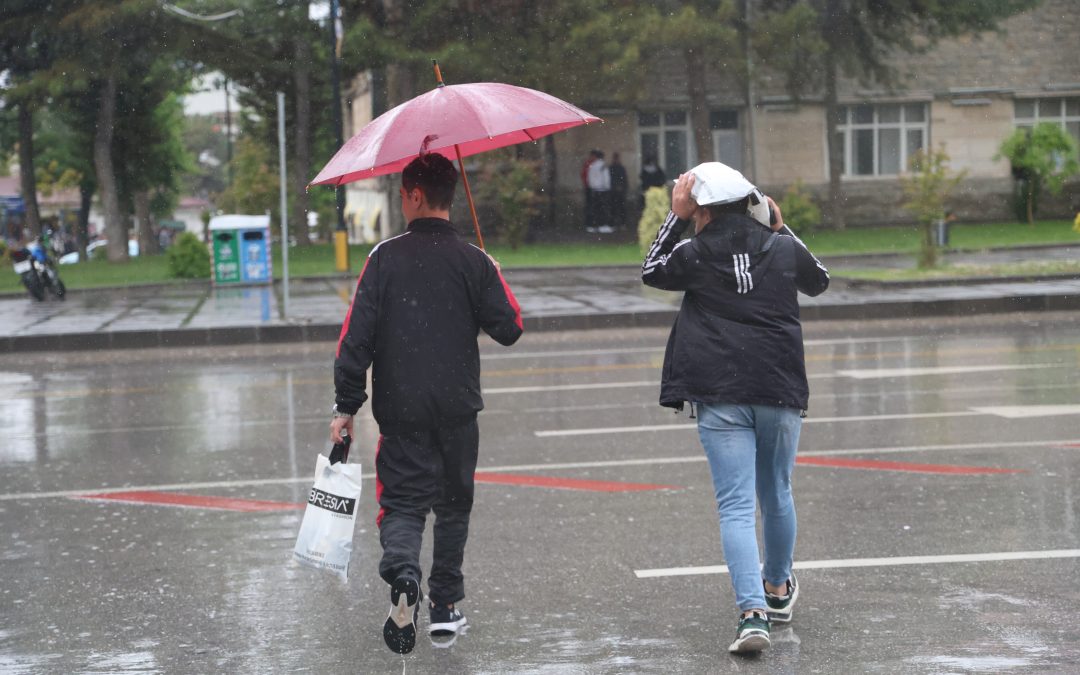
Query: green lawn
(961, 237)
(1020, 269)
(318, 259)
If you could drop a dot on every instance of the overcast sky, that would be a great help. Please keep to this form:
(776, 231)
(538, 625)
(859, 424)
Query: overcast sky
(207, 99)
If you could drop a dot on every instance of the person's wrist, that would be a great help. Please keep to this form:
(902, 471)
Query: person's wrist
(340, 413)
(682, 213)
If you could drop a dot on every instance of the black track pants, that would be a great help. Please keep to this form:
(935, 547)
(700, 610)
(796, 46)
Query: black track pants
(418, 472)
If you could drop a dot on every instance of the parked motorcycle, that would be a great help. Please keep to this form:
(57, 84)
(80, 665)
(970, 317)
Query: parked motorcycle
(38, 273)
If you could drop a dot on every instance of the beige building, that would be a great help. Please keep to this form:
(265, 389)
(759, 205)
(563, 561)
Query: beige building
(965, 96)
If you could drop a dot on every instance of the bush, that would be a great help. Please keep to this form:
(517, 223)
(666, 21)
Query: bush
(1042, 156)
(188, 258)
(657, 205)
(800, 212)
(926, 189)
(512, 187)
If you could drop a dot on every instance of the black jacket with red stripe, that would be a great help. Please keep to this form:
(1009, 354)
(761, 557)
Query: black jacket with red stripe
(737, 337)
(420, 303)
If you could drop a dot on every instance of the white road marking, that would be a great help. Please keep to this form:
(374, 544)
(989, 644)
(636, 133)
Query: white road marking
(571, 352)
(556, 466)
(1016, 412)
(875, 373)
(876, 562)
(501, 356)
(569, 387)
(687, 427)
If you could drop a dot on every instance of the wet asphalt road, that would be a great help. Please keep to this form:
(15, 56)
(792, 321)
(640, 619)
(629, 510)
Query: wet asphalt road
(906, 419)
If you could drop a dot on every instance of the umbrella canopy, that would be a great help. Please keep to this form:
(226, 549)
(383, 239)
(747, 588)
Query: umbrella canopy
(455, 121)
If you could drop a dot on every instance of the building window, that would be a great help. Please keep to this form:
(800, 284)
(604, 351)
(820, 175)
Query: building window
(726, 138)
(1064, 111)
(879, 140)
(665, 136)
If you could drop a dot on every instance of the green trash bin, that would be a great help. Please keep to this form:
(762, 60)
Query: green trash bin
(240, 249)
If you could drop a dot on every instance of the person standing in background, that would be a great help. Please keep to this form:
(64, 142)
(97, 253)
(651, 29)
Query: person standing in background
(599, 179)
(619, 184)
(651, 176)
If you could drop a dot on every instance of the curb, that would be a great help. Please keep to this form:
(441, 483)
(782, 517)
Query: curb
(286, 333)
(853, 282)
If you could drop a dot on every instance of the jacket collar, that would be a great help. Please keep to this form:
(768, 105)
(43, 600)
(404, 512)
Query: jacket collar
(432, 225)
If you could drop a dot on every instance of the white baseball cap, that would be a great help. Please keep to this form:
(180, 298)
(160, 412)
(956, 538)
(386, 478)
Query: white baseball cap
(716, 183)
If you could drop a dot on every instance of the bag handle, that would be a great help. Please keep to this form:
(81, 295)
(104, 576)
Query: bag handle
(340, 451)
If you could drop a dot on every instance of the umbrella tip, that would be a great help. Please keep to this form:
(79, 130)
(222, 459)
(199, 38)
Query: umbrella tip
(438, 73)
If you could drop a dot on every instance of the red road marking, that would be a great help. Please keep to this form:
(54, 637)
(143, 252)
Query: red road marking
(193, 501)
(567, 483)
(1068, 445)
(879, 465)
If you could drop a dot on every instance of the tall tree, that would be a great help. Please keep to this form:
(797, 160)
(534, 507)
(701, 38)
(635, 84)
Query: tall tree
(105, 49)
(702, 32)
(24, 50)
(263, 52)
(816, 42)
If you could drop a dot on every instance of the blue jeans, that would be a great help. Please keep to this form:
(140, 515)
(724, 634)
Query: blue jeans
(751, 449)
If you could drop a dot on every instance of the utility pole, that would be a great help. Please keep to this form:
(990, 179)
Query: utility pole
(228, 133)
(284, 203)
(341, 234)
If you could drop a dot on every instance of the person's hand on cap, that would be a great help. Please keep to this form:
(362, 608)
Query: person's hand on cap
(682, 203)
(776, 212)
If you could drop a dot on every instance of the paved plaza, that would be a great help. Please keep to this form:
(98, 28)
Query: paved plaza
(150, 500)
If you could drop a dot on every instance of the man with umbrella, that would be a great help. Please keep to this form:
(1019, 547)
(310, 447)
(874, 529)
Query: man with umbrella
(421, 300)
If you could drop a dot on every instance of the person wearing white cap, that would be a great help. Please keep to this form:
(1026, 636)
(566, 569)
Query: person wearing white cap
(735, 354)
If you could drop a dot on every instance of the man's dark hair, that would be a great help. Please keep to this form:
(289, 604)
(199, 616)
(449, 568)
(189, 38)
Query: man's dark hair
(716, 210)
(436, 177)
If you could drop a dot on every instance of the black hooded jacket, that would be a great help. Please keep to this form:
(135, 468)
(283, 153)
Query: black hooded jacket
(737, 337)
(420, 303)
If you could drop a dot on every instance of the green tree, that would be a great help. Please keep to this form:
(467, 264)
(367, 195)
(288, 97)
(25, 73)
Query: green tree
(512, 186)
(263, 52)
(702, 31)
(102, 52)
(205, 140)
(24, 51)
(1042, 156)
(927, 188)
(815, 42)
(255, 180)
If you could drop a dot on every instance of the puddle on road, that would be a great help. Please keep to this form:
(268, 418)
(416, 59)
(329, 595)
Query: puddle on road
(976, 664)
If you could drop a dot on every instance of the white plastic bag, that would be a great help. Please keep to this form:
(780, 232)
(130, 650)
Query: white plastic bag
(326, 533)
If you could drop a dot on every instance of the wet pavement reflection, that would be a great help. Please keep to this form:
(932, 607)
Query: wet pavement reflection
(925, 440)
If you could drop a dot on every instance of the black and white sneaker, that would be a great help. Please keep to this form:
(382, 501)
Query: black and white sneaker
(445, 620)
(780, 606)
(752, 635)
(399, 631)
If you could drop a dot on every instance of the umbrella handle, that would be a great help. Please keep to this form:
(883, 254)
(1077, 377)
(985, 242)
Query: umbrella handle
(468, 196)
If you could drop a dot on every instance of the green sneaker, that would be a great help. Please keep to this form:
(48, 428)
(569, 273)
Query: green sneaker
(780, 606)
(752, 634)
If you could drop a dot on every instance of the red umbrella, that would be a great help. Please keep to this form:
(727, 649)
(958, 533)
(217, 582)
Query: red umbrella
(455, 121)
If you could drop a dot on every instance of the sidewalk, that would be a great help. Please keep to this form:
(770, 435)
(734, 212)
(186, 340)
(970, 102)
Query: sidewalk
(551, 299)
